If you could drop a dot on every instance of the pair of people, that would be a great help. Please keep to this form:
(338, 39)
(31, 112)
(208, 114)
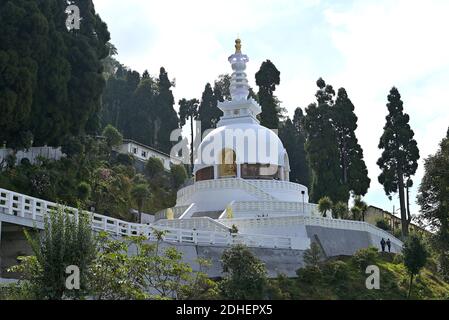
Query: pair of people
(384, 243)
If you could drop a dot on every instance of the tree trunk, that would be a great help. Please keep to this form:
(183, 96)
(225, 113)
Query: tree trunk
(402, 203)
(409, 215)
(410, 286)
(191, 144)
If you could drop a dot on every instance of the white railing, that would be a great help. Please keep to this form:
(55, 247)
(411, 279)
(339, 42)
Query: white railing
(225, 239)
(276, 207)
(185, 193)
(33, 154)
(34, 209)
(312, 221)
(201, 223)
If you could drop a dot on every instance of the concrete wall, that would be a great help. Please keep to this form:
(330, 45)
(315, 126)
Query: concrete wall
(12, 245)
(335, 242)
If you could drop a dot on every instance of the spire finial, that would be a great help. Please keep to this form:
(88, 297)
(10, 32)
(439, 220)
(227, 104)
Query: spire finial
(238, 45)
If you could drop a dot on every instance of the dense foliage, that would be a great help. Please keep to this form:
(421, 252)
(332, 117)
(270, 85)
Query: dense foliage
(51, 78)
(433, 198)
(333, 152)
(140, 107)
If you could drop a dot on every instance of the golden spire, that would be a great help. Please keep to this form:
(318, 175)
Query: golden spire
(238, 46)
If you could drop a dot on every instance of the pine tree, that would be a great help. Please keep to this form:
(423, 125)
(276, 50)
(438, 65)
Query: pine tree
(300, 166)
(354, 173)
(208, 112)
(293, 142)
(400, 155)
(165, 113)
(188, 109)
(322, 148)
(51, 79)
(267, 78)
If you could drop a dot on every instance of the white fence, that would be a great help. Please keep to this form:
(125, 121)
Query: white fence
(313, 221)
(275, 208)
(33, 154)
(30, 208)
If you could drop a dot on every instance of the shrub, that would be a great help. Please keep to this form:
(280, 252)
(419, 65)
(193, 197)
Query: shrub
(154, 167)
(84, 191)
(324, 205)
(366, 257)
(113, 136)
(383, 224)
(313, 256)
(125, 159)
(179, 175)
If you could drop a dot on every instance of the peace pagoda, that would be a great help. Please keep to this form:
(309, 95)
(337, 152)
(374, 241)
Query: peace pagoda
(241, 191)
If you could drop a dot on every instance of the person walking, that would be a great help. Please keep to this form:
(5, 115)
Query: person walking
(389, 245)
(382, 244)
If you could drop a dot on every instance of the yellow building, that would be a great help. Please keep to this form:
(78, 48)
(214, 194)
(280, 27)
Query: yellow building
(374, 214)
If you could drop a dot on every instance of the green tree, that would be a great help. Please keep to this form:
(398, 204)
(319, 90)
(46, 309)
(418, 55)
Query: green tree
(52, 73)
(359, 203)
(267, 78)
(356, 213)
(245, 275)
(166, 115)
(113, 137)
(300, 171)
(221, 87)
(293, 141)
(188, 109)
(208, 112)
(354, 173)
(140, 193)
(154, 167)
(415, 257)
(324, 206)
(313, 256)
(341, 210)
(179, 175)
(433, 197)
(322, 147)
(65, 241)
(400, 156)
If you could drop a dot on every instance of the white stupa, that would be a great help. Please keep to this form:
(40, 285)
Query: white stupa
(241, 179)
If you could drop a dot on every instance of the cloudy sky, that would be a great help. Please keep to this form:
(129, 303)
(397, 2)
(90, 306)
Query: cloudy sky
(365, 46)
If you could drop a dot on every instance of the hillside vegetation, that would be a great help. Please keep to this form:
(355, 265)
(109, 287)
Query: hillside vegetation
(343, 278)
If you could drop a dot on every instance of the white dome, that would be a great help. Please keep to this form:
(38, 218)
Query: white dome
(251, 142)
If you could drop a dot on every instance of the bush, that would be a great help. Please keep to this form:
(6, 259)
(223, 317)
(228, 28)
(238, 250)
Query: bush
(336, 272)
(154, 167)
(179, 175)
(125, 159)
(366, 257)
(113, 136)
(383, 224)
(84, 191)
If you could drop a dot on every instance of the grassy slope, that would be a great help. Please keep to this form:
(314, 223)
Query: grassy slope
(343, 278)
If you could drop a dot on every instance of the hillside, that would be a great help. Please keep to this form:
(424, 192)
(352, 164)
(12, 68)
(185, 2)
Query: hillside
(342, 279)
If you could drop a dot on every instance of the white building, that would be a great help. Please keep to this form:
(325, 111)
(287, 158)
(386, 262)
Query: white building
(143, 152)
(242, 179)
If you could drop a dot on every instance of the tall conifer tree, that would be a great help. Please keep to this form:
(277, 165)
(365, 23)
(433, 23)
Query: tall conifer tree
(354, 173)
(267, 78)
(208, 112)
(400, 155)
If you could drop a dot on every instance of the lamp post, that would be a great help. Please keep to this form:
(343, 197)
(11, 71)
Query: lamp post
(303, 205)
